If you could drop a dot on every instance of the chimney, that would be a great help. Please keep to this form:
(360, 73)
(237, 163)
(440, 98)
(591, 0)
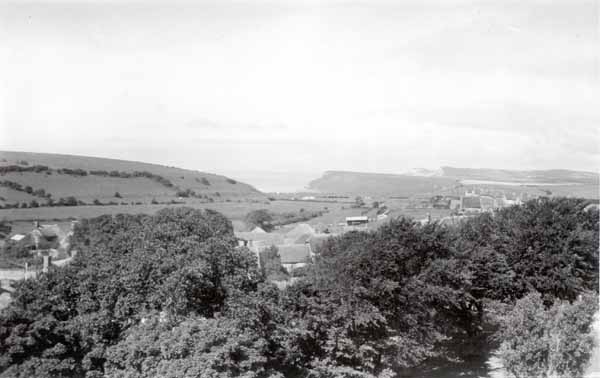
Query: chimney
(46, 263)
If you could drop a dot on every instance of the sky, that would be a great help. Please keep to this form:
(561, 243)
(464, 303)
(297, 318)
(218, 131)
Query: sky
(304, 86)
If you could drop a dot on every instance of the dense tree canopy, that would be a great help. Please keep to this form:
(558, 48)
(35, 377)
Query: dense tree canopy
(170, 295)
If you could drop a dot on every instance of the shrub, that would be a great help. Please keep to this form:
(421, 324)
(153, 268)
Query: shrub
(554, 342)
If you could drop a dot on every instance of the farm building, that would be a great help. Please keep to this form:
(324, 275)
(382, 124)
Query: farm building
(488, 203)
(357, 221)
(294, 256)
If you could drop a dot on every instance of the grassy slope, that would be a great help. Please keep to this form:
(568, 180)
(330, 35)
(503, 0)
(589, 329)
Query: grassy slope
(546, 176)
(90, 187)
(356, 183)
(378, 184)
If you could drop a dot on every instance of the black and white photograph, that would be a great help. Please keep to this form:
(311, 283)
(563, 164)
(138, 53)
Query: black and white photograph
(299, 188)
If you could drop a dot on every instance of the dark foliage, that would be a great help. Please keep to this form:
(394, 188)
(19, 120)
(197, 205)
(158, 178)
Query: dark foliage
(169, 295)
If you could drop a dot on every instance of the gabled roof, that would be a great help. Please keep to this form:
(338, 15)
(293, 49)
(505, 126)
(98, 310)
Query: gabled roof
(293, 253)
(303, 239)
(299, 230)
(258, 230)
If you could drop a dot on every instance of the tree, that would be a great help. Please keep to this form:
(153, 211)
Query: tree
(551, 245)
(5, 229)
(270, 264)
(260, 218)
(180, 261)
(545, 342)
(118, 195)
(359, 202)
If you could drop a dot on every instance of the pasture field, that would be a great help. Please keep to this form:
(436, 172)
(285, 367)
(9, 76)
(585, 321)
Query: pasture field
(91, 187)
(232, 210)
(88, 188)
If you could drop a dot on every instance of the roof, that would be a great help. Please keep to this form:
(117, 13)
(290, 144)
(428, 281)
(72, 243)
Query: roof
(259, 230)
(487, 201)
(299, 230)
(317, 241)
(269, 238)
(359, 218)
(49, 230)
(293, 253)
(303, 239)
(473, 202)
(17, 237)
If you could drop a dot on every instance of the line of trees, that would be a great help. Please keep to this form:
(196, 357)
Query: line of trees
(170, 295)
(27, 189)
(18, 168)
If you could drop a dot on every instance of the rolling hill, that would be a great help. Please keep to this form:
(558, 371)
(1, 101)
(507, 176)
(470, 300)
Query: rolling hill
(450, 180)
(344, 182)
(27, 177)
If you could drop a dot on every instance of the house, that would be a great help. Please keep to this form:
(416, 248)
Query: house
(357, 221)
(294, 256)
(487, 203)
(471, 204)
(455, 203)
(47, 234)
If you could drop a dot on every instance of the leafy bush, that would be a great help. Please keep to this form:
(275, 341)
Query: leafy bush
(553, 342)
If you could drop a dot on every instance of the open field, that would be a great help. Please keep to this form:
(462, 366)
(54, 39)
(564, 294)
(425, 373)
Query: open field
(100, 187)
(232, 210)
(88, 188)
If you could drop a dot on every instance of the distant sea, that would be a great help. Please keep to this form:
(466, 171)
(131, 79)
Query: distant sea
(275, 182)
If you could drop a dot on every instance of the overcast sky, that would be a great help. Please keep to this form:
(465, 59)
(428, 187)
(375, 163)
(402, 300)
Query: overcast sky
(304, 86)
